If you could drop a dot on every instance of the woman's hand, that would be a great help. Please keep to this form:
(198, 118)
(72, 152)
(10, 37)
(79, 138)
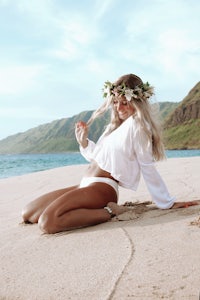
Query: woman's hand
(81, 133)
(185, 204)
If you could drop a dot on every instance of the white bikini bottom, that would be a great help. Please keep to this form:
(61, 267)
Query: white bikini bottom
(86, 181)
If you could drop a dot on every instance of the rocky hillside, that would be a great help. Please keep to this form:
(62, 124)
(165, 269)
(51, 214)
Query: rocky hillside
(182, 126)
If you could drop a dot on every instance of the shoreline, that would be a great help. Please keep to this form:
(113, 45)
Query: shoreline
(22, 164)
(153, 256)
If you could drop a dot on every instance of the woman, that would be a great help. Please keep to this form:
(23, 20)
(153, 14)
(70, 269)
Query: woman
(129, 146)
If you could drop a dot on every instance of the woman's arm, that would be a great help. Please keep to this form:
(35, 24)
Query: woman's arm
(86, 146)
(153, 180)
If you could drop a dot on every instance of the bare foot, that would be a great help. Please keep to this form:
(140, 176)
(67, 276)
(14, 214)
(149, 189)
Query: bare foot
(185, 204)
(117, 209)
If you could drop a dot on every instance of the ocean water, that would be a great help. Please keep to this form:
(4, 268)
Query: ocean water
(19, 164)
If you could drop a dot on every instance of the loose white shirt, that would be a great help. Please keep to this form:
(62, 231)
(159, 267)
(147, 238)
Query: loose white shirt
(126, 153)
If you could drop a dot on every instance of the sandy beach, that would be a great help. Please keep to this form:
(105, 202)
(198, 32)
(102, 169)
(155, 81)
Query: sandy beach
(153, 254)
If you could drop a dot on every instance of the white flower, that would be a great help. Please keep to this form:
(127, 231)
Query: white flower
(142, 92)
(128, 94)
(147, 95)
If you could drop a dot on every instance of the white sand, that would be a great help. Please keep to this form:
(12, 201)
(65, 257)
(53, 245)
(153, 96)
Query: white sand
(156, 256)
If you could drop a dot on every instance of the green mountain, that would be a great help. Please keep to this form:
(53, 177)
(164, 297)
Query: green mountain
(166, 108)
(58, 136)
(182, 126)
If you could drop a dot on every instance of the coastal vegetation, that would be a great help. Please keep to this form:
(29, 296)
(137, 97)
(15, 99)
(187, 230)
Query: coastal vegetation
(182, 125)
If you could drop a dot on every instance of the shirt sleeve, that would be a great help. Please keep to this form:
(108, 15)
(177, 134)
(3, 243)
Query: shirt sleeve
(87, 151)
(153, 180)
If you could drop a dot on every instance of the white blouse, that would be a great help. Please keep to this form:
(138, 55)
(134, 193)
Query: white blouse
(125, 154)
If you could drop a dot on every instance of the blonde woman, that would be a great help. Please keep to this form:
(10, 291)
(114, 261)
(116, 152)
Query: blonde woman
(128, 147)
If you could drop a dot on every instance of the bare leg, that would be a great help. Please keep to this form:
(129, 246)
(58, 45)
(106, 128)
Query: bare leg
(79, 207)
(35, 208)
(77, 218)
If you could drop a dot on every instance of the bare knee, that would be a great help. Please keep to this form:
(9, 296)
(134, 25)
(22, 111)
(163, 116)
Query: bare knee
(29, 215)
(46, 223)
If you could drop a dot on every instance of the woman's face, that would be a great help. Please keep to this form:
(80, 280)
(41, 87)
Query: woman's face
(123, 107)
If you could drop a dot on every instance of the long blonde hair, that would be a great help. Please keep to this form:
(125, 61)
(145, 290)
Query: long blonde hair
(144, 111)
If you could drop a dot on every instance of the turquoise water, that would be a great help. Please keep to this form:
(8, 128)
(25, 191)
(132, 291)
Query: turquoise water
(19, 164)
(182, 153)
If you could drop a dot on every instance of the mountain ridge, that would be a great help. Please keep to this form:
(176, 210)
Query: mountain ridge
(58, 135)
(180, 120)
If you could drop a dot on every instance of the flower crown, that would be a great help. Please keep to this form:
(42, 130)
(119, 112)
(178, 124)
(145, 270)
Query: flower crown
(141, 92)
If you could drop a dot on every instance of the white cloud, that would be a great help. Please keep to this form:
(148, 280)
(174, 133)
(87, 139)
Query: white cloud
(35, 8)
(18, 79)
(67, 51)
(57, 54)
(175, 53)
(78, 31)
(164, 38)
(102, 7)
(75, 38)
(23, 112)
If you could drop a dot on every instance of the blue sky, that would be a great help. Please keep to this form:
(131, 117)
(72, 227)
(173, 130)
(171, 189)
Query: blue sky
(56, 54)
